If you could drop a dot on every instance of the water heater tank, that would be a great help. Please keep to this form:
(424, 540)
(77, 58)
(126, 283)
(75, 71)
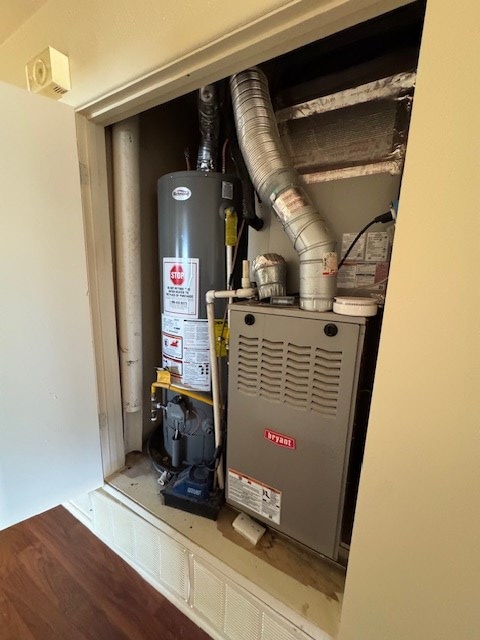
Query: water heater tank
(191, 213)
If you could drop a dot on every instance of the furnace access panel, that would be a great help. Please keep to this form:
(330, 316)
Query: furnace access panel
(293, 379)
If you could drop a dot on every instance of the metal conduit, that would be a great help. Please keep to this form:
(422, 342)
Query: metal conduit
(209, 126)
(278, 183)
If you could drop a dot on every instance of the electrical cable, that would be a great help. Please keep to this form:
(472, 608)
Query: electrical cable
(383, 218)
(224, 156)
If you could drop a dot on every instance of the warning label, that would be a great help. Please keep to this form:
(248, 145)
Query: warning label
(180, 286)
(256, 496)
(186, 351)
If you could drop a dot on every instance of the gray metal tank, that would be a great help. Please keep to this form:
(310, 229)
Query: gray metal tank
(191, 213)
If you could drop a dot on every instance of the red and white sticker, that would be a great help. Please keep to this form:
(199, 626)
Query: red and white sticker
(280, 439)
(252, 494)
(330, 266)
(180, 287)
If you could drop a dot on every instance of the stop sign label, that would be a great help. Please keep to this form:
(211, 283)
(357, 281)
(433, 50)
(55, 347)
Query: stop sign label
(177, 275)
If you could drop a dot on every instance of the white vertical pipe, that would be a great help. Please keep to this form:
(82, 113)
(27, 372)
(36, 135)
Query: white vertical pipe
(229, 254)
(210, 297)
(126, 181)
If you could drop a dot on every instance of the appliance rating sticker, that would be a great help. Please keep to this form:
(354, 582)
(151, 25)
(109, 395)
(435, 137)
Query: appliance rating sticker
(180, 286)
(186, 352)
(254, 495)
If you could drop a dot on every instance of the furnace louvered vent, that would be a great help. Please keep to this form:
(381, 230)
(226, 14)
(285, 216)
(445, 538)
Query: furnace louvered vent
(326, 381)
(247, 365)
(301, 376)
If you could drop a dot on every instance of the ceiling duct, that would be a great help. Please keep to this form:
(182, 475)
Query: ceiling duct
(356, 132)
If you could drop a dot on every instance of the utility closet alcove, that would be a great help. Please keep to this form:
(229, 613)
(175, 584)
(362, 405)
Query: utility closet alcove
(343, 106)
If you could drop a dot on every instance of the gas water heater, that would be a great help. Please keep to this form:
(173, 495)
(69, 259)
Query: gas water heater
(192, 206)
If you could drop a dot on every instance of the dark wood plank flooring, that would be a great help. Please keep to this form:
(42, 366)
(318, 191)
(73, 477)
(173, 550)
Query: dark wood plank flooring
(59, 582)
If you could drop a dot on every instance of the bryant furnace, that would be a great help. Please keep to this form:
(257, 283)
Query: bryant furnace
(293, 382)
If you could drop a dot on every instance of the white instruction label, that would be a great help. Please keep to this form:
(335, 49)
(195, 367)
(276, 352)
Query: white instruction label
(363, 275)
(186, 352)
(377, 246)
(180, 286)
(358, 251)
(256, 496)
(288, 202)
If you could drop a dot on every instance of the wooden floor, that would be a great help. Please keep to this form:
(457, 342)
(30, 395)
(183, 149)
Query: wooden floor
(59, 582)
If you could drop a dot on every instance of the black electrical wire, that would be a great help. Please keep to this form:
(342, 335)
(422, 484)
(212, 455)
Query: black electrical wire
(384, 217)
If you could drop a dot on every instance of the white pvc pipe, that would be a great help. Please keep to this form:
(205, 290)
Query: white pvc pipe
(217, 400)
(229, 253)
(126, 191)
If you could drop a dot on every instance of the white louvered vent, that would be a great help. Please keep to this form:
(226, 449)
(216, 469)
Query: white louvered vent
(327, 369)
(238, 616)
(271, 370)
(247, 365)
(148, 548)
(297, 371)
(228, 611)
(161, 557)
(208, 596)
(301, 376)
(273, 630)
(242, 617)
(174, 566)
(124, 532)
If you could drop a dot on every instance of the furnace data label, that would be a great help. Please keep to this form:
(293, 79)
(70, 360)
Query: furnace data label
(254, 495)
(377, 246)
(186, 352)
(363, 275)
(358, 250)
(180, 286)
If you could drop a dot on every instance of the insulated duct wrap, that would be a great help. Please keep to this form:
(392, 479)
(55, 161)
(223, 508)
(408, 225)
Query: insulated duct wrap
(278, 184)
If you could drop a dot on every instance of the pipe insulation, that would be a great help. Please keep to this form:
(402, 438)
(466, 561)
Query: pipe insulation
(278, 184)
(126, 193)
(209, 128)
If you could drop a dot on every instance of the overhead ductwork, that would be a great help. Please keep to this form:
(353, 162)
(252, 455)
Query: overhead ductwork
(209, 128)
(278, 184)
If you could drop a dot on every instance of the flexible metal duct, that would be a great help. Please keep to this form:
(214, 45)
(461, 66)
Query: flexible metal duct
(278, 183)
(209, 127)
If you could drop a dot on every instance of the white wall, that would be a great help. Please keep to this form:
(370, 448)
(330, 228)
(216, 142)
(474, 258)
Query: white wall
(414, 570)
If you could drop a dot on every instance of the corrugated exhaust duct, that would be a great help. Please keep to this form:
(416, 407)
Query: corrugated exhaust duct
(278, 183)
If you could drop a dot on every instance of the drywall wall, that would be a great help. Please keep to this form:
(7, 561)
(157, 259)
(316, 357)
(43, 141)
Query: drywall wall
(415, 564)
(116, 42)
